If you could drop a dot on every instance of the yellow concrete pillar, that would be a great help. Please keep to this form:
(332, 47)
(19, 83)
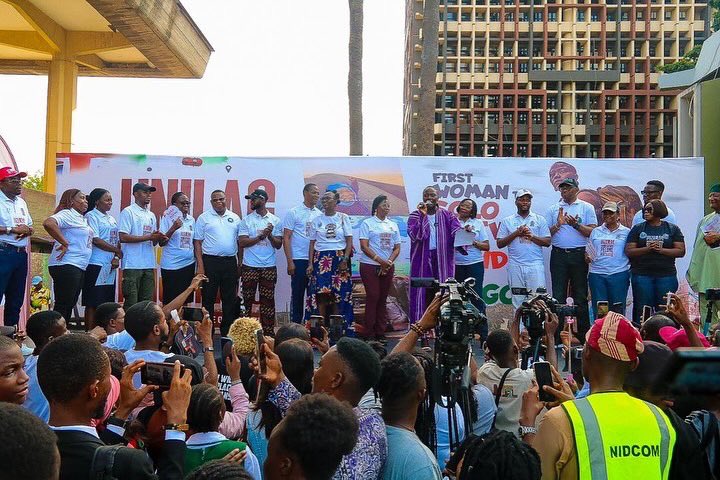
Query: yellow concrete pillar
(62, 95)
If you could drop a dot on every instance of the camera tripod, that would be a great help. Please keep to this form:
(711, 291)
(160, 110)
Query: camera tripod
(452, 388)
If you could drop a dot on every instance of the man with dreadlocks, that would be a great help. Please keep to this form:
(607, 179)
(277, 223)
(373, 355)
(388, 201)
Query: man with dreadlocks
(402, 388)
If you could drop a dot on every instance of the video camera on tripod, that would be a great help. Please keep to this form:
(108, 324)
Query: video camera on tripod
(532, 315)
(458, 322)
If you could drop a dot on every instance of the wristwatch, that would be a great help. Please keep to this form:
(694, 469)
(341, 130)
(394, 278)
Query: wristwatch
(113, 420)
(524, 430)
(8, 230)
(181, 427)
(208, 349)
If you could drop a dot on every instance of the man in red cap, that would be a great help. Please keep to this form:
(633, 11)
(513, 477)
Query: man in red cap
(609, 434)
(15, 230)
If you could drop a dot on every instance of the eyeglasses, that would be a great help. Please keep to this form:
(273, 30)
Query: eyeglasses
(184, 203)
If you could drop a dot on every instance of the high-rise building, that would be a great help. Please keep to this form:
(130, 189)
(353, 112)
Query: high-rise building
(536, 78)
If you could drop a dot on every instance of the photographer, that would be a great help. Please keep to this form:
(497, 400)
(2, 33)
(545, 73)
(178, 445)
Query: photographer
(501, 373)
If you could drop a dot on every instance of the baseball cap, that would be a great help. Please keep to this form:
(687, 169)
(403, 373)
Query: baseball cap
(36, 279)
(615, 337)
(677, 338)
(144, 187)
(9, 172)
(569, 181)
(257, 193)
(652, 360)
(522, 192)
(610, 207)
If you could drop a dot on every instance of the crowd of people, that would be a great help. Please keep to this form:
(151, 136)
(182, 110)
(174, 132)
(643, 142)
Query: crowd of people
(241, 398)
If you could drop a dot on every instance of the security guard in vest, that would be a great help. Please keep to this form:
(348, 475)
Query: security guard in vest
(608, 435)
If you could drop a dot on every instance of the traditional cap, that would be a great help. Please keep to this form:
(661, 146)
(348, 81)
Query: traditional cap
(143, 187)
(611, 207)
(615, 337)
(715, 188)
(569, 181)
(522, 192)
(257, 193)
(36, 279)
(9, 172)
(677, 338)
(652, 360)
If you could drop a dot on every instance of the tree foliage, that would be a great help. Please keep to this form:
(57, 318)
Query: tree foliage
(687, 62)
(35, 181)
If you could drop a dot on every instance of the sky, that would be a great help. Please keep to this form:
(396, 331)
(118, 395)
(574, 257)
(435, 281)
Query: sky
(276, 85)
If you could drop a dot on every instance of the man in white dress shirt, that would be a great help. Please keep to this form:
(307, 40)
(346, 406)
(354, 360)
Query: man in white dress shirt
(260, 234)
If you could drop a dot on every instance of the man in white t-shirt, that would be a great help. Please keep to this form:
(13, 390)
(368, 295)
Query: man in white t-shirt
(259, 236)
(653, 191)
(571, 221)
(297, 226)
(524, 234)
(138, 236)
(218, 256)
(15, 230)
(502, 348)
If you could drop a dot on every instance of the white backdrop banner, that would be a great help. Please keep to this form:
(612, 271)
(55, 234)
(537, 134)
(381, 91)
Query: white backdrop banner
(489, 181)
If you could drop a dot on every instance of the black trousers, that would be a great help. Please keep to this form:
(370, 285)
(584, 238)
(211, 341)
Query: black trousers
(569, 274)
(174, 282)
(67, 283)
(222, 273)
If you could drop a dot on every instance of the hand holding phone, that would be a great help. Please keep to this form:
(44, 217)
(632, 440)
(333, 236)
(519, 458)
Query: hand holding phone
(159, 373)
(315, 325)
(259, 351)
(543, 376)
(192, 314)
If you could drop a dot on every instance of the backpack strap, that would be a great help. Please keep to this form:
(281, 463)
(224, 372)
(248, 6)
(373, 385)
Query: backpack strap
(498, 393)
(103, 461)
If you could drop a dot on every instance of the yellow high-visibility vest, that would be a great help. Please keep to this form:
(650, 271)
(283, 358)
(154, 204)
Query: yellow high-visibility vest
(620, 437)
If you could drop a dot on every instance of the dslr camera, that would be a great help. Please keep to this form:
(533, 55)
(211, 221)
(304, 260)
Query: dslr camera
(712, 294)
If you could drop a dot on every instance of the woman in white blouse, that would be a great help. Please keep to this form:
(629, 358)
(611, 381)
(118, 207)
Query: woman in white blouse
(329, 270)
(72, 249)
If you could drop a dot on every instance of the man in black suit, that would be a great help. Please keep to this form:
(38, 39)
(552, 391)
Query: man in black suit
(74, 374)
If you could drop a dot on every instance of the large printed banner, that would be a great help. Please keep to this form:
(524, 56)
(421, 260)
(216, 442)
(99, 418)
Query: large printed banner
(489, 181)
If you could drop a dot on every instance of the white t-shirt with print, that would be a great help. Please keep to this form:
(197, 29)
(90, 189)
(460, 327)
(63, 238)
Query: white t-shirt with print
(262, 254)
(13, 213)
(78, 234)
(218, 233)
(382, 236)
(329, 232)
(521, 251)
(138, 222)
(105, 228)
(299, 221)
(178, 252)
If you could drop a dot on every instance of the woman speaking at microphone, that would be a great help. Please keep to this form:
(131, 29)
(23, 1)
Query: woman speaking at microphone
(72, 249)
(380, 245)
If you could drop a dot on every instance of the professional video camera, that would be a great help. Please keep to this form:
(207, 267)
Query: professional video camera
(458, 322)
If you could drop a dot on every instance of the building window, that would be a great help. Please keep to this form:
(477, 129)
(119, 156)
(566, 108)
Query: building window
(537, 118)
(579, 119)
(522, 118)
(550, 119)
(580, 16)
(653, 15)
(552, 16)
(538, 16)
(508, 68)
(523, 67)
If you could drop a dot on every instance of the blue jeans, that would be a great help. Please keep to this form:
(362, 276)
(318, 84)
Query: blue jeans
(13, 275)
(649, 290)
(298, 285)
(477, 271)
(609, 288)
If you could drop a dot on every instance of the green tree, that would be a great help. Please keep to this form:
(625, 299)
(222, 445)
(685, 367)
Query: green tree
(687, 62)
(35, 181)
